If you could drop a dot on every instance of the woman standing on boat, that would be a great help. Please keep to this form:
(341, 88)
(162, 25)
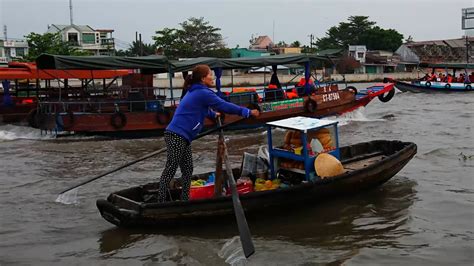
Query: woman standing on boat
(187, 122)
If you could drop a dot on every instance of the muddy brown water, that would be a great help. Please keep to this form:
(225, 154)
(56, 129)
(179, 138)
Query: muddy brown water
(422, 216)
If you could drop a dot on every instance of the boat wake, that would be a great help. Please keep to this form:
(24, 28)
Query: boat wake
(357, 115)
(68, 198)
(14, 132)
(232, 252)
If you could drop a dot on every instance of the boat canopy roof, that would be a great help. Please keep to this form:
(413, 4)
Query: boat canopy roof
(449, 65)
(160, 64)
(301, 123)
(248, 62)
(17, 70)
(188, 64)
(152, 63)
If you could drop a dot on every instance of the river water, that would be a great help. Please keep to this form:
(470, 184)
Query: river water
(422, 216)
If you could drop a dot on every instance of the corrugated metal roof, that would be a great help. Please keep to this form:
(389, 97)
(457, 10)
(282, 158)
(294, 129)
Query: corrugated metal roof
(459, 43)
(84, 27)
(329, 52)
(452, 50)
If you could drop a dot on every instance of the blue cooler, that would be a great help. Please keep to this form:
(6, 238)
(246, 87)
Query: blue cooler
(153, 106)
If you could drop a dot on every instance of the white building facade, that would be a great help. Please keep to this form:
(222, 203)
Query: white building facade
(10, 49)
(358, 52)
(83, 37)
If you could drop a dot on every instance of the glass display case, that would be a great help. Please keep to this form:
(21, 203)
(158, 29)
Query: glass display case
(305, 138)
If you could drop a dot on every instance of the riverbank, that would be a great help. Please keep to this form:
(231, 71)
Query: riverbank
(258, 79)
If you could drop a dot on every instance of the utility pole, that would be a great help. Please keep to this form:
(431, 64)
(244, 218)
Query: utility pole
(311, 38)
(467, 49)
(136, 42)
(273, 36)
(70, 12)
(5, 32)
(467, 24)
(141, 45)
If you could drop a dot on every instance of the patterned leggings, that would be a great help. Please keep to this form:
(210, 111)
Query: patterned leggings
(179, 154)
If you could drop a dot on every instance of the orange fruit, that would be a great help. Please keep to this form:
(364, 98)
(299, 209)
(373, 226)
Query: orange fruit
(268, 183)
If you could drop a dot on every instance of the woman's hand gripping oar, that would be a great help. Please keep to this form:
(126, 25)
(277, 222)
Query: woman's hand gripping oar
(245, 236)
(63, 198)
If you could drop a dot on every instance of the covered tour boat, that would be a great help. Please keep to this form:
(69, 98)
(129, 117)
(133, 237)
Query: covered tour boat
(295, 177)
(24, 85)
(145, 109)
(428, 85)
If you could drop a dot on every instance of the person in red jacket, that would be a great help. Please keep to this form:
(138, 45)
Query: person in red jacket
(449, 78)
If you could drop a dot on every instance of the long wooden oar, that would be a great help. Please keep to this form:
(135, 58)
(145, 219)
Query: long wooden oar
(245, 237)
(220, 127)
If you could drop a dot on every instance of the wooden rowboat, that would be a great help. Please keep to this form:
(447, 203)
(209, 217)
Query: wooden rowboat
(366, 165)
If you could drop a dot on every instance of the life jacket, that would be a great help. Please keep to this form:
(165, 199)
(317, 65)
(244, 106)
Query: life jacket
(291, 95)
(303, 81)
(272, 86)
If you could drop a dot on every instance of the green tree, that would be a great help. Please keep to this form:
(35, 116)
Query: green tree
(135, 49)
(167, 40)
(379, 39)
(196, 37)
(281, 44)
(140, 48)
(295, 44)
(360, 31)
(308, 50)
(50, 43)
(121, 52)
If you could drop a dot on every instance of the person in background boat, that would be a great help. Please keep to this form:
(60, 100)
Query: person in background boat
(187, 122)
(432, 77)
(449, 78)
(461, 78)
(426, 77)
(429, 77)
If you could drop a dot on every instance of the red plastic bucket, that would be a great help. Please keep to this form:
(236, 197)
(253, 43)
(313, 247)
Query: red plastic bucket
(203, 192)
(243, 188)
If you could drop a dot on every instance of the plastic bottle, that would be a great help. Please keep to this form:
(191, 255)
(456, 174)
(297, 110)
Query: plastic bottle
(211, 178)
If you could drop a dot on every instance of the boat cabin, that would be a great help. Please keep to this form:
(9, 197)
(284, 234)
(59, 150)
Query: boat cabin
(304, 140)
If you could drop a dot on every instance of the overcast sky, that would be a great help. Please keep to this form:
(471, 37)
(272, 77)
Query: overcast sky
(238, 20)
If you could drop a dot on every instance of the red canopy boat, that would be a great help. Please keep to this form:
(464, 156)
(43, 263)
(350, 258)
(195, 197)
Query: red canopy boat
(23, 83)
(148, 110)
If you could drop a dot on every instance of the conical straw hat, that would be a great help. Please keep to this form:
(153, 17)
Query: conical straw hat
(327, 165)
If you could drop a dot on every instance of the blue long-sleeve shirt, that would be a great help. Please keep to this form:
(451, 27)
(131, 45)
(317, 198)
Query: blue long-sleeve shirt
(198, 103)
